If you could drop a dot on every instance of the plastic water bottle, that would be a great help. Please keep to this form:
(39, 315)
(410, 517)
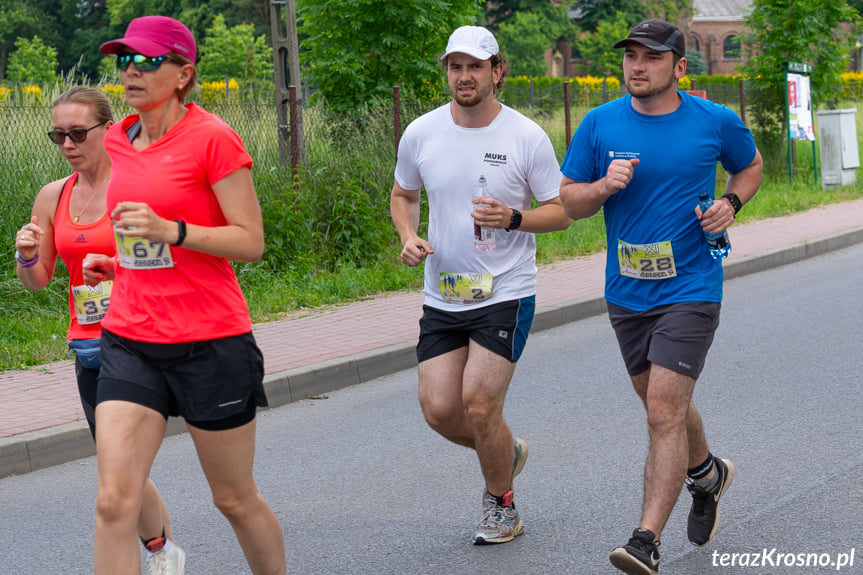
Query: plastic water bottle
(719, 244)
(483, 237)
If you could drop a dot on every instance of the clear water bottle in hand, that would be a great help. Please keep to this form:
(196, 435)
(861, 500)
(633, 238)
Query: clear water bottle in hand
(719, 244)
(483, 237)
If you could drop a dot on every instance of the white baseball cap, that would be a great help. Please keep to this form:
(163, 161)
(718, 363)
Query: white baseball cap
(474, 41)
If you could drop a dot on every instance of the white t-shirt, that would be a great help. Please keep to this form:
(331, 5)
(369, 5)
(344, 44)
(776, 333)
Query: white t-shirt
(518, 162)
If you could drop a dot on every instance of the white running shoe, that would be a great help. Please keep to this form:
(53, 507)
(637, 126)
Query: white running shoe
(170, 560)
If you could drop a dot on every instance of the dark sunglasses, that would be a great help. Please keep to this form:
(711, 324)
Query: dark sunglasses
(142, 63)
(78, 135)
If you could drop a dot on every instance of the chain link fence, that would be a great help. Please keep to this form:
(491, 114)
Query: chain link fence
(346, 175)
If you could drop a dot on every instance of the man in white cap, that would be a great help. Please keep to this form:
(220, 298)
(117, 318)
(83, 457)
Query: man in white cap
(479, 294)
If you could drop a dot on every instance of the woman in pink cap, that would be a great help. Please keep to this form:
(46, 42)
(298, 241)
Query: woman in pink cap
(69, 220)
(177, 339)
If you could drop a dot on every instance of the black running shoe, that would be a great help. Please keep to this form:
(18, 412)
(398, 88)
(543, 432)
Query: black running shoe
(704, 514)
(639, 556)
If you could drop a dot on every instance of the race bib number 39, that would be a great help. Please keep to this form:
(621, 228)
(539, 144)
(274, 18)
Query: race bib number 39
(465, 288)
(140, 254)
(91, 302)
(646, 261)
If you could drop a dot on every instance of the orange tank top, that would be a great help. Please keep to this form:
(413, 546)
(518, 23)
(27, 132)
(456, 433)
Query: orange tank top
(87, 305)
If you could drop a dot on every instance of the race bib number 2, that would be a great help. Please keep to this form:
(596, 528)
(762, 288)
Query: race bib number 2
(646, 261)
(140, 254)
(465, 288)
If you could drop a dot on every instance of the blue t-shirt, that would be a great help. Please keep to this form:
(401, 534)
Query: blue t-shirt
(678, 153)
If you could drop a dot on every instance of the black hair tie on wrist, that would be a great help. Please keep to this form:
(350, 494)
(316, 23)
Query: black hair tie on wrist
(182, 236)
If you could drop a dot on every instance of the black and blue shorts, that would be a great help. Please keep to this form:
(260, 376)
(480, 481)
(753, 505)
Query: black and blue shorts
(501, 328)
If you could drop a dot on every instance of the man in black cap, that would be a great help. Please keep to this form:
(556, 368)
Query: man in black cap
(644, 158)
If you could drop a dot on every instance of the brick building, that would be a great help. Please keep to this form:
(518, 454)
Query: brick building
(711, 30)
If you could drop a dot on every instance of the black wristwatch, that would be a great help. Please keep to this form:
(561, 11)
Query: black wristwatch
(515, 221)
(735, 201)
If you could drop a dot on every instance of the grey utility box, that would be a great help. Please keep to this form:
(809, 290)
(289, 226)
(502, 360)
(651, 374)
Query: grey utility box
(837, 137)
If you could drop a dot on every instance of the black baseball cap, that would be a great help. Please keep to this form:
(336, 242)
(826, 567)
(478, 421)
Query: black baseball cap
(657, 35)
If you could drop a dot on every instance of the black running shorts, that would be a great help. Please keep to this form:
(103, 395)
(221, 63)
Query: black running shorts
(213, 384)
(675, 336)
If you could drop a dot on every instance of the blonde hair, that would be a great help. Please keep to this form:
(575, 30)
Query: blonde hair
(98, 102)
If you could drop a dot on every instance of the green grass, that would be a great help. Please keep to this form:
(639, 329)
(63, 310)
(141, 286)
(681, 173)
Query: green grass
(329, 237)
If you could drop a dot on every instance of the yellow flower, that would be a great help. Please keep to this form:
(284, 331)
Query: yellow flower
(112, 89)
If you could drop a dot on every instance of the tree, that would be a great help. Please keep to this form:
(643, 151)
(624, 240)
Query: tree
(521, 24)
(524, 42)
(32, 62)
(123, 11)
(590, 13)
(22, 18)
(816, 32)
(84, 26)
(597, 48)
(695, 64)
(198, 14)
(553, 15)
(235, 52)
(355, 51)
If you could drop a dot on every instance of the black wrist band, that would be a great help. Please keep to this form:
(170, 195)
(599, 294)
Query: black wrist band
(515, 220)
(182, 236)
(735, 202)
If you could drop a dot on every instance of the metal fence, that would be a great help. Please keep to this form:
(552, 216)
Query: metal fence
(28, 159)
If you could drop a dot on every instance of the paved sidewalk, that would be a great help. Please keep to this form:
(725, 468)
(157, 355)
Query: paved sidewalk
(327, 349)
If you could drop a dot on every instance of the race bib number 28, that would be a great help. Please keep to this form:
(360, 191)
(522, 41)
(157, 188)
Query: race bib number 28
(646, 261)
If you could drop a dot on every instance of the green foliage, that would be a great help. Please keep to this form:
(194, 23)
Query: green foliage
(593, 13)
(552, 17)
(329, 236)
(695, 64)
(122, 12)
(806, 31)
(376, 45)
(601, 59)
(198, 14)
(32, 62)
(234, 53)
(524, 42)
(22, 18)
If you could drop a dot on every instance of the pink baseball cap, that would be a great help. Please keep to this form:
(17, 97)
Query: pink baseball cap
(154, 36)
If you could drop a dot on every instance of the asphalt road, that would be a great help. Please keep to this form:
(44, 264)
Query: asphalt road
(361, 485)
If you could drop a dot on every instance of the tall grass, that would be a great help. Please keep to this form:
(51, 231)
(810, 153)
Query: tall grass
(329, 233)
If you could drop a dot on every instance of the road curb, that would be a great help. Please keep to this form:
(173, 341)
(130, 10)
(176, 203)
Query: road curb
(43, 448)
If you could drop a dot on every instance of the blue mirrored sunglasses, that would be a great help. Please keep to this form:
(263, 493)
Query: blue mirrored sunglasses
(142, 63)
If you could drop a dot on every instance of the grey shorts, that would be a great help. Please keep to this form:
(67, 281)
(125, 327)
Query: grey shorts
(213, 384)
(501, 328)
(675, 336)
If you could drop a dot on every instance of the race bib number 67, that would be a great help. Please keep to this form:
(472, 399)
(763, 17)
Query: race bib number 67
(141, 254)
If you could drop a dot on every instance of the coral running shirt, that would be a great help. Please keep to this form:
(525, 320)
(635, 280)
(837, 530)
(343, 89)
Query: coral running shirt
(198, 296)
